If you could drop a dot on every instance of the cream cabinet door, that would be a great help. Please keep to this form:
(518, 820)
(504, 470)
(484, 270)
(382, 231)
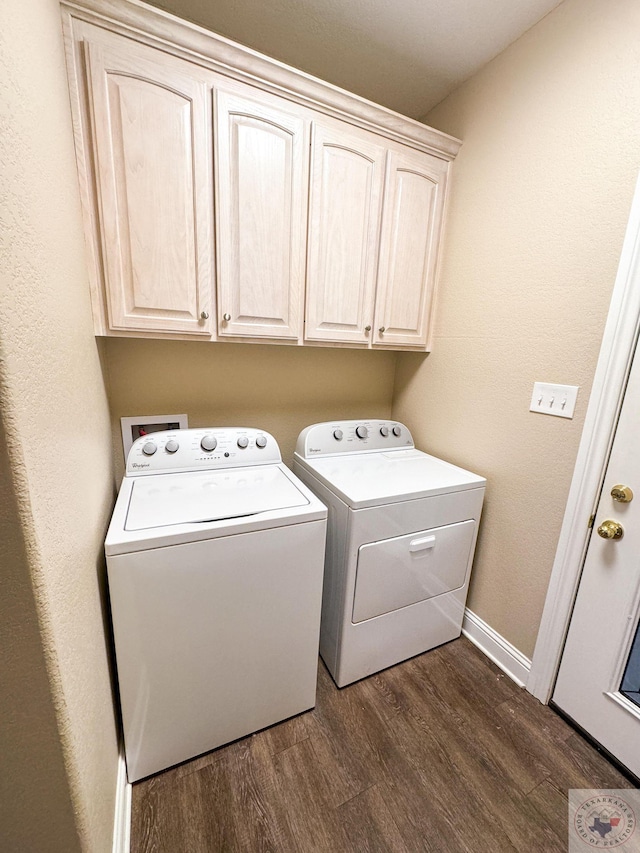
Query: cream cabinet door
(261, 150)
(347, 179)
(409, 241)
(152, 146)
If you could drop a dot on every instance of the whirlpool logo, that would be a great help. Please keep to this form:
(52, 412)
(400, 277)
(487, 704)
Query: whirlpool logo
(138, 465)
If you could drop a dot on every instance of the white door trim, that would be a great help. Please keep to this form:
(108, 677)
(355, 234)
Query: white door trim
(614, 363)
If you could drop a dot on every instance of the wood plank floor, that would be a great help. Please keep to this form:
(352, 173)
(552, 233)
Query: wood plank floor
(440, 753)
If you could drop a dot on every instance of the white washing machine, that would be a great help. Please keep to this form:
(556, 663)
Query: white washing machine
(400, 541)
(215, 561)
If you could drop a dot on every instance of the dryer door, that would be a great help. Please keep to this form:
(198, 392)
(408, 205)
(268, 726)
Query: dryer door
(397, 572)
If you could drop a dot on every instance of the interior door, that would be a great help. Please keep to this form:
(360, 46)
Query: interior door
(600, 669)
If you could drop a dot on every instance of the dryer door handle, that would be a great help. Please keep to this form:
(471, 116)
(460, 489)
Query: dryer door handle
(422, 544)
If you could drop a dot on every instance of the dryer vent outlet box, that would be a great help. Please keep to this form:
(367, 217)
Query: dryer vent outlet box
(139, 425)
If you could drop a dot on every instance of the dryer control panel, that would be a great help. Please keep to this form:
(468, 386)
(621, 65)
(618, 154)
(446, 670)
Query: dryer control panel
(182, 450)
(336, 437)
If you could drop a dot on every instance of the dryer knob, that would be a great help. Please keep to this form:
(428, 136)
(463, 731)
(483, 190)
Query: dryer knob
(149, 448)
(243, 441)
(209, 443)
(261, 441)
(384, 431)
(338, 434)
(362, 432)
(397, 430)
(171, 446)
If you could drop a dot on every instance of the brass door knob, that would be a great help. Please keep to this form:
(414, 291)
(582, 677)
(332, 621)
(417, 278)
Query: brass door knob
(622, 494)
(611, 530)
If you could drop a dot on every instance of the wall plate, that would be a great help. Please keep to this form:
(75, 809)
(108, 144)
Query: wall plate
(557, 400)
(133, 428)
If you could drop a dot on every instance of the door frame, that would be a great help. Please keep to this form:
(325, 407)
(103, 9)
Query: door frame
(605, 401)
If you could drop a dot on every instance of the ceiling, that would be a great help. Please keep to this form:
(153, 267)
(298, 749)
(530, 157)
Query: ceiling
(407, 54)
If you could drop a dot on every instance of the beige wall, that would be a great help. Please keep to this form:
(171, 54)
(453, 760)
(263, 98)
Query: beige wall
(59, 763)
(541, 194)
(276, 388)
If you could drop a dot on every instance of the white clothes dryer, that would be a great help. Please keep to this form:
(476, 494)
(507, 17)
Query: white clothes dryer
(215, 561)
(400, 542)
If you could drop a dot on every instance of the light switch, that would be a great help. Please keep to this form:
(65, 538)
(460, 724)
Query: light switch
(558, 400)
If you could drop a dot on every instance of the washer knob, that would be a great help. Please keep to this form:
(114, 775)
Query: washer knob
(384, 431)
(261, 441)
(209, 443)
(362, 432)
(171, 446)
(243, 441)
(396, 431)
(149, 448)
(338, 434)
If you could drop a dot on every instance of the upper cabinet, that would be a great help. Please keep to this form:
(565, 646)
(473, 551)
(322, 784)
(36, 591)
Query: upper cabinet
(375, 218)
(228, 197)
(409, 242)
(150, 131)
(261, 154)
(347, 182)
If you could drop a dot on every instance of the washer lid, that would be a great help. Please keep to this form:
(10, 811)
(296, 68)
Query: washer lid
(201, 496)
(371, 479)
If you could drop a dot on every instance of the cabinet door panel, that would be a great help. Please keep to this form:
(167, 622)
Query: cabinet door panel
(412, 218)
(261, 217)
(152, 147)
(347, 175)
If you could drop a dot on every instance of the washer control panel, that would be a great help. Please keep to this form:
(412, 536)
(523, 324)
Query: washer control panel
(336, 437)
(201, 449)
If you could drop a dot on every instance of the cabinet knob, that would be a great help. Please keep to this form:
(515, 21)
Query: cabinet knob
(226, 317)
(204, 315)
(367, 328)
(381, 329)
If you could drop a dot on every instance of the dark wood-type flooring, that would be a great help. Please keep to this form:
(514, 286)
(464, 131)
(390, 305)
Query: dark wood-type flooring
(440, 753)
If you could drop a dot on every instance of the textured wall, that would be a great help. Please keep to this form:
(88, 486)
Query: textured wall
(541, 194)
(279, 389)
(401, 55)
(36, 811)
(57, 475)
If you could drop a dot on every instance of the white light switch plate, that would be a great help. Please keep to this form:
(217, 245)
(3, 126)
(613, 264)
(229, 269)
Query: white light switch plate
(558, 400)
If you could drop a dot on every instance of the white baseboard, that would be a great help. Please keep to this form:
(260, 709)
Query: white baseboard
(496, 648)
(122, 819)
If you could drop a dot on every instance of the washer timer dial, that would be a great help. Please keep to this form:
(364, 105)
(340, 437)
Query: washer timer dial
(362, 431)
(209, 443)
